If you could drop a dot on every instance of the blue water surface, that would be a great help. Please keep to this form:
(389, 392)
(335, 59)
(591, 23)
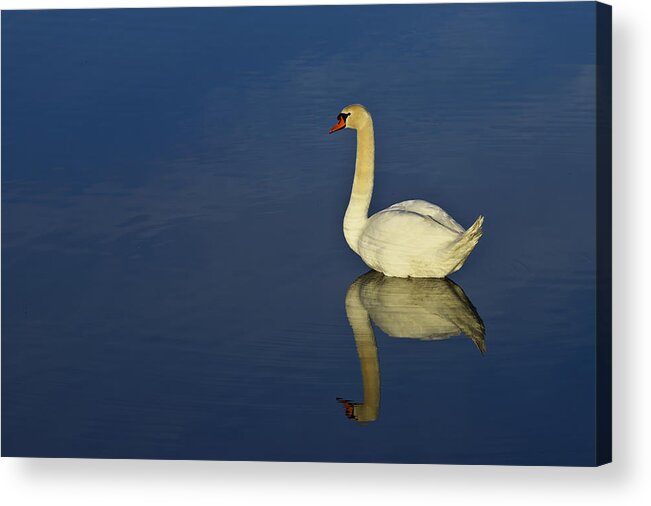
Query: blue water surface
(174, 272)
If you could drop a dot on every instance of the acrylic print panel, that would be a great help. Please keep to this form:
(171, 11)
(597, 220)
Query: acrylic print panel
(178, 277)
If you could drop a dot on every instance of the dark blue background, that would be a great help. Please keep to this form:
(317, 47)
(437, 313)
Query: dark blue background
(174, 269)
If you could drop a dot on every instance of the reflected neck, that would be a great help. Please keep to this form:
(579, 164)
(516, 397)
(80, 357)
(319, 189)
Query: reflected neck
(360, 322)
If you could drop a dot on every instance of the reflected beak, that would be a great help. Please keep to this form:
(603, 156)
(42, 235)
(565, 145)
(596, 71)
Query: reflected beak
(341, 123)
(349, 407)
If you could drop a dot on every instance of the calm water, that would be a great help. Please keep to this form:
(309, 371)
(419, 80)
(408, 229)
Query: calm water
(175, 278)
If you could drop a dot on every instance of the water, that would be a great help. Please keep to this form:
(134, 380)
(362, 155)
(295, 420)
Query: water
(174, 271)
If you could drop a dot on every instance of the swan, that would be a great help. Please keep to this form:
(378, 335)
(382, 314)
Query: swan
(413, 238)
(426, 309)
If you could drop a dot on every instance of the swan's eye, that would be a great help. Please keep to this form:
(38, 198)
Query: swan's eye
(343, 116)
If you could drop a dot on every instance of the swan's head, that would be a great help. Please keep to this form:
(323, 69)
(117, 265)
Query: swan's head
(353, 116)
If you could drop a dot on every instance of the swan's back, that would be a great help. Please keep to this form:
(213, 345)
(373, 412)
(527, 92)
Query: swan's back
(429, 210)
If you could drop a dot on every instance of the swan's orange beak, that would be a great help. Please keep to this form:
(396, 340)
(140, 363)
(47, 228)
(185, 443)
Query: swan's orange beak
(341, 123)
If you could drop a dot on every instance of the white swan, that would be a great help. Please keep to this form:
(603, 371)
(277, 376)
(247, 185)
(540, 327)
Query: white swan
(409, 239)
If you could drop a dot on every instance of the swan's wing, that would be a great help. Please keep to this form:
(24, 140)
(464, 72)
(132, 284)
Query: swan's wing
(397, 230)
(430, 210)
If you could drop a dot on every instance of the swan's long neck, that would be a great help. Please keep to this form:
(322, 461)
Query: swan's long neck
(360, 198)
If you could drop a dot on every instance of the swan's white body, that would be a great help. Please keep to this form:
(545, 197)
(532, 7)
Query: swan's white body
(409, 239)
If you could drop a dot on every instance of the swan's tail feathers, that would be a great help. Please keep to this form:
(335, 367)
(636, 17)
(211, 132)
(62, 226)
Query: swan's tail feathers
(475, 228)
(462, 248)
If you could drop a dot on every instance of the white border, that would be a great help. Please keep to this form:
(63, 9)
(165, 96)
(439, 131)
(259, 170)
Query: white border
(97, 482)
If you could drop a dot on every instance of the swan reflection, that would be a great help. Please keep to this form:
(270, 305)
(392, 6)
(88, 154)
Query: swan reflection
(418, 308)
